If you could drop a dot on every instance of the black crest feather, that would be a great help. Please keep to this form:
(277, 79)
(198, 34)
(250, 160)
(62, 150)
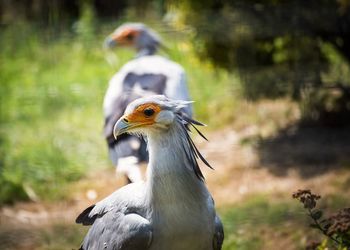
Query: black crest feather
(193, 153)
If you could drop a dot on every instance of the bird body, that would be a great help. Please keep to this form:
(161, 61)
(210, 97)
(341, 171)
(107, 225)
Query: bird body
(172, 209)
(175, 81)
(147, 74)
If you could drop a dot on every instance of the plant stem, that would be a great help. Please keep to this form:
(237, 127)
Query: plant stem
(322, 229)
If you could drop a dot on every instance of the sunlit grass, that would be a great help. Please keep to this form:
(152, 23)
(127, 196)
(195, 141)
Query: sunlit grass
(52, 119)
(245, 222)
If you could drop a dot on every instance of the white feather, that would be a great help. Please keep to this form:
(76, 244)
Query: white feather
(176, 87)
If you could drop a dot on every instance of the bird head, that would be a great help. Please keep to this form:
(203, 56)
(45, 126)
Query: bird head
(156, 114)
(136, 35)
(152, 113)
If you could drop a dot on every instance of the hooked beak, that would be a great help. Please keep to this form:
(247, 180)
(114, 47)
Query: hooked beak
(110, 42)
(120, 127)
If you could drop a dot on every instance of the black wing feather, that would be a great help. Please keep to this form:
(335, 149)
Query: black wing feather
(84, 217)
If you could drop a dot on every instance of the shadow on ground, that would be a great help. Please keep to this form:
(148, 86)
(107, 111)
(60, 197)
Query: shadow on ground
(309, 150)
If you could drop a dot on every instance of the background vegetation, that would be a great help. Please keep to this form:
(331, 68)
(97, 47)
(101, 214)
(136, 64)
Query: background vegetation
(53, 82)
(237, 55)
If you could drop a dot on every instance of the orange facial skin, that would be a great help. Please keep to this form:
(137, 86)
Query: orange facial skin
(126, 37)
(140, 116)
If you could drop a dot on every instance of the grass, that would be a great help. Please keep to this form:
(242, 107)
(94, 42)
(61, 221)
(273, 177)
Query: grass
(52, 125)
(56, 237)
(246, 223)
(52, 86)
(62, 237)
(260, 223)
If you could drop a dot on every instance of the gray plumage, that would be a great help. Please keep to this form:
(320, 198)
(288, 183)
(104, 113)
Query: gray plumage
(147, 74)
(146, 43)
(133, 86)
(173, 209)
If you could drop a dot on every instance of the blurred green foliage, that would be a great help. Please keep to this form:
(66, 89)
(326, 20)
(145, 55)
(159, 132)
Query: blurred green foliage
(52, 85)
(280, 48)
(277, 48)
(54, 74)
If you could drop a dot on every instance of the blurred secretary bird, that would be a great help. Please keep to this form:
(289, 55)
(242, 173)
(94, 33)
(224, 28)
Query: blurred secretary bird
(147, 74)
(172, 209)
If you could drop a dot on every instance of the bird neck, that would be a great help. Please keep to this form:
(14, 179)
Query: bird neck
(146, 51)
(170, 177)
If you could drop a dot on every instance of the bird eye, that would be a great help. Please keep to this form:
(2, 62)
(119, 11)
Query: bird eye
(129, 37)
(148, 112)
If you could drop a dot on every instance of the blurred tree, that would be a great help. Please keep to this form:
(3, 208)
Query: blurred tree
(278, 48)
(48, 12)
(43, 11)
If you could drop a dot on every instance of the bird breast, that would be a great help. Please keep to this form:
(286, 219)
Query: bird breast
(181, 227)
(182, 214)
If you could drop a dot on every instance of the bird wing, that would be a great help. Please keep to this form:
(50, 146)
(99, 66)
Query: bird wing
(116, 230)
(218, 234)
(218, 237)
(118, 96)
(177, 87)
(176, 84)
(117, 221)
(140, 77)
(126, 86)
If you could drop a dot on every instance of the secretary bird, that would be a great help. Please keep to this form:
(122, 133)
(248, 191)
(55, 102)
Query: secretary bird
(172, 209)
(147, 74)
